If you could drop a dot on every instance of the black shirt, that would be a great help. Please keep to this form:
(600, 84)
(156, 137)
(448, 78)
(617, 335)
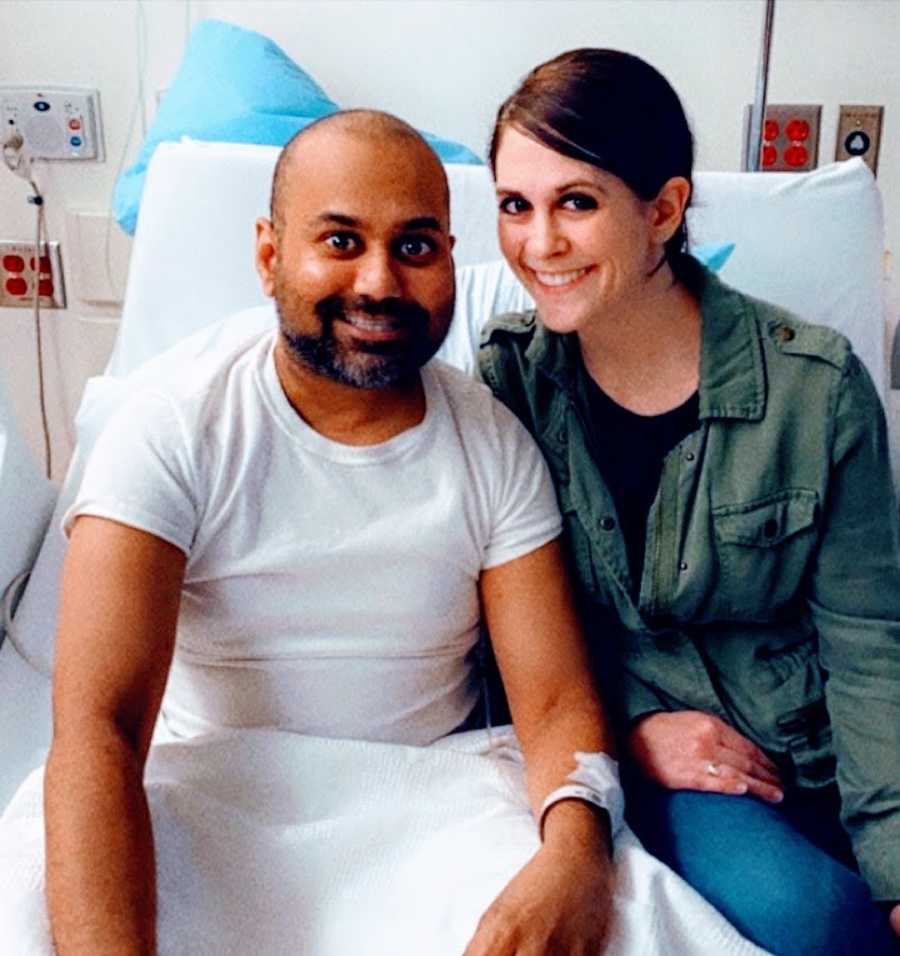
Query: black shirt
(631, 449)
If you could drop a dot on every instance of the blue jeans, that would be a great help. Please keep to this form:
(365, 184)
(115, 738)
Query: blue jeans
(783, 875)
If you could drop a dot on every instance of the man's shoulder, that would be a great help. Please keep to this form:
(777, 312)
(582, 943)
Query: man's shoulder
(479, 418)
(457, 382)
(183, 394)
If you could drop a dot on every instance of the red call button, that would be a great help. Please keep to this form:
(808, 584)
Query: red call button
(45, 263)
(796, 156)
(13, 264)
(74, 124)
(45, 287)
(797, 130)
(770, 130)
(16, 286)
(769, 155)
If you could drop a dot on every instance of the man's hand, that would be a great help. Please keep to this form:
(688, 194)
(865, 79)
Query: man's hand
(895, 920)
(559, 904)
(690, 750)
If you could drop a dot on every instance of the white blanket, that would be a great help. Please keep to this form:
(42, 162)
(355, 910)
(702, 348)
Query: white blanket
(271, 843)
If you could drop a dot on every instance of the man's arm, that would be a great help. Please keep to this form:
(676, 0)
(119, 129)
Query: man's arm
(561, 900)
(120, 596)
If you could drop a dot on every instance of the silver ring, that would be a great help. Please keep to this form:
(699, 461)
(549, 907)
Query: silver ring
(713, 769)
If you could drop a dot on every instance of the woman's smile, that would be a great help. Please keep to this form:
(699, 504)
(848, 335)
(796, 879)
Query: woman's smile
(559, 279)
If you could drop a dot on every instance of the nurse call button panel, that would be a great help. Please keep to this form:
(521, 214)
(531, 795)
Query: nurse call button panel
(55, 123)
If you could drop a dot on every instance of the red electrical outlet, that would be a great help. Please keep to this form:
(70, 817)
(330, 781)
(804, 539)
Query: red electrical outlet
(790, 137)
(21, 275)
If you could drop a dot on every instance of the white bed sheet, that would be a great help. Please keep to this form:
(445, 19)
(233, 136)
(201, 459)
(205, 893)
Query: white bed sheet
(272, 843)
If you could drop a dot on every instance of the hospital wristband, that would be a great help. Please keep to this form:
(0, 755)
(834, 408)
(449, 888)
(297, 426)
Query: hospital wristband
(594, 781)
(573, 791)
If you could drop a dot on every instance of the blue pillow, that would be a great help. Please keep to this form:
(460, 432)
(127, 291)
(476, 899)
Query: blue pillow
(236, 86)
(713, 255)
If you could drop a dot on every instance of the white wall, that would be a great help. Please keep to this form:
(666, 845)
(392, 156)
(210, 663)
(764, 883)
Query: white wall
(442, 64)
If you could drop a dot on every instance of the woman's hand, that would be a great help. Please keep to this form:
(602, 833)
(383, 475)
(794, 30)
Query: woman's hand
(690, 750)
(895, 920)
(559, 904)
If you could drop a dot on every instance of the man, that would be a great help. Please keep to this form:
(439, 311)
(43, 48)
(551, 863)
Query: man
(319, 517)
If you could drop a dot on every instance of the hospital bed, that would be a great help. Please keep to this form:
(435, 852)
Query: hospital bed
(813, 243)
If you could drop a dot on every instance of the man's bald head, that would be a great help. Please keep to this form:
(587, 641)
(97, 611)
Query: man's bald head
(372, 125)
(357, 253)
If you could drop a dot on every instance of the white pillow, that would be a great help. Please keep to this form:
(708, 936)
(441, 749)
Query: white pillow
(483, 290)
(810, 242)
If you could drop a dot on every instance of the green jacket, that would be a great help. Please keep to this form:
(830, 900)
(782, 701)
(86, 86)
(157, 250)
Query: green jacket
(770, 593)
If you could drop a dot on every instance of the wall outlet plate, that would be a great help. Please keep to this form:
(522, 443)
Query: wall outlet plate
(55, 122)
(20, 275)
(790, 137)
(859, 134)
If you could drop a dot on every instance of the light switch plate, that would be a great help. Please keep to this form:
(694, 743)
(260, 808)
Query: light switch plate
(99, 251)
(859, 134)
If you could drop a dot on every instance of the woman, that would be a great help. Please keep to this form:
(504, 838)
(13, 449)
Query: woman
(722, 471)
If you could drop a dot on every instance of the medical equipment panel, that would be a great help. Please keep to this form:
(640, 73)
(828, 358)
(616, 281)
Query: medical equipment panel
(55, 123)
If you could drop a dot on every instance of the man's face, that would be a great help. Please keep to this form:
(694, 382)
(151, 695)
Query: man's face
(360, 267)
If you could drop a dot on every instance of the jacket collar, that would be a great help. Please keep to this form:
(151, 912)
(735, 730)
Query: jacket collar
(732, 376)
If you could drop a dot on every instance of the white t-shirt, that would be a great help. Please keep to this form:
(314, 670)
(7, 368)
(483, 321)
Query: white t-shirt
(329, 589)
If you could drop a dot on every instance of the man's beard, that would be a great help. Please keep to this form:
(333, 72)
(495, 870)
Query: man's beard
(364, 364)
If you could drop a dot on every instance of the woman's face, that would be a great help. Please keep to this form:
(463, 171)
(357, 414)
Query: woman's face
(577, 237)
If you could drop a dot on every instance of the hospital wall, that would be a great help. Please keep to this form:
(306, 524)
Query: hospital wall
(442, 64)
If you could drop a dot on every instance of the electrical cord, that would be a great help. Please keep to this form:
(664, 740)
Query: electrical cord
(39, 243)
(18, 162)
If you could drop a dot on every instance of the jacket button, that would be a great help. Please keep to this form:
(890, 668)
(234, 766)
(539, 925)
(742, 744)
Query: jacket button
(682, 565)
(770, 528)
(607, 523)
(785, 333)
(689, 456)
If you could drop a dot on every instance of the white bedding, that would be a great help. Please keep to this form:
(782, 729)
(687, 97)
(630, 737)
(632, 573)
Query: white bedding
(273, 843)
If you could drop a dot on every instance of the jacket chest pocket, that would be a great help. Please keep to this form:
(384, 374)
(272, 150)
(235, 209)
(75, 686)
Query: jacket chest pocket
(764, 547)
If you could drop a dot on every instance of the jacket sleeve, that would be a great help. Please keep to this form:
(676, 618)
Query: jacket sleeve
(855, 602)
(632, 700)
